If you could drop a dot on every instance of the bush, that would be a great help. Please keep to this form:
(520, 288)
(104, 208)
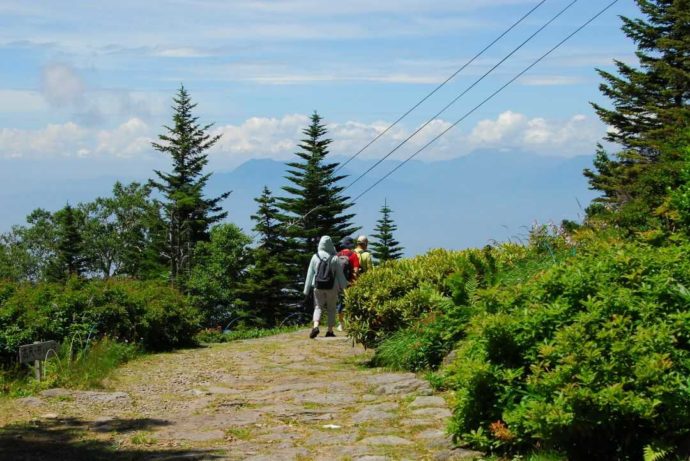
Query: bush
(398, 294)
(151, 314)
(590, 357)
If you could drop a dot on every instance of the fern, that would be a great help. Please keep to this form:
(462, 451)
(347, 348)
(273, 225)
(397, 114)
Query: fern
(655, 453)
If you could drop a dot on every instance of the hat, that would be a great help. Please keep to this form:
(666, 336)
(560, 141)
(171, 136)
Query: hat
(348, 243)
(362, 239)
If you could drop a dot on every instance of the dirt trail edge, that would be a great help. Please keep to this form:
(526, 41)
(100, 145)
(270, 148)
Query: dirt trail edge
(278, 398)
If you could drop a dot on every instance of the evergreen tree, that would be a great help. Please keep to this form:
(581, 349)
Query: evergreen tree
(189, 214)
(68, 260)
(385, 247)
(315, 206)
(650, 108)
(268, 291)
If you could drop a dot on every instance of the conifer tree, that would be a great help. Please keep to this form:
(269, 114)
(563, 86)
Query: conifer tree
(189, 214)
(68, 260)
(315, 206)
(385, 247)
(650, 109)
(267, 291)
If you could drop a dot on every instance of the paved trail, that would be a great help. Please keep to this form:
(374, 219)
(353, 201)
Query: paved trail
(278, 398)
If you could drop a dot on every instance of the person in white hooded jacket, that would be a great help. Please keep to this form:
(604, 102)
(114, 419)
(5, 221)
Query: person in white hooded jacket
(325, 298)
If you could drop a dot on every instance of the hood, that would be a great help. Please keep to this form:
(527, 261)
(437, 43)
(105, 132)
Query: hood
(326, 246)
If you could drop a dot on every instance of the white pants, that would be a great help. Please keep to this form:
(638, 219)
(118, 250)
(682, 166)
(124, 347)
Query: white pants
(325, 299)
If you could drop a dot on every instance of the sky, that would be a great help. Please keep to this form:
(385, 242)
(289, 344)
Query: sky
(86, 86)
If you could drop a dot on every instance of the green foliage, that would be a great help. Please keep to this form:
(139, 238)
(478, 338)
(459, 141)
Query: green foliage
(215, 335)
(150, 314)
(397, 294)
(655, 453)
(385, 247)
(77, 364)
(124, 234)
(590, 357)
(650, 118)
(215, 280)
(188, 213)
(69, 259)
(314, 206)
(269, 289)
(421, 347)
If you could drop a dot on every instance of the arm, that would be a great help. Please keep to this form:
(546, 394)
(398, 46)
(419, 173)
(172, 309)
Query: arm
(310, 277)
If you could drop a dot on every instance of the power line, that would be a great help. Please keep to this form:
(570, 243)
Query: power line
(558, 45)
(465, 91)
(441, 85)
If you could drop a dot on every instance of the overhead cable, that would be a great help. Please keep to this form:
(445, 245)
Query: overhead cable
(441, 85)
(525, 70)
(464, 92)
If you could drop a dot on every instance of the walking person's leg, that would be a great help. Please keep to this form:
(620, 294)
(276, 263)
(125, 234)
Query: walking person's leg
(320, 300)
(341, 307)
(331, 306)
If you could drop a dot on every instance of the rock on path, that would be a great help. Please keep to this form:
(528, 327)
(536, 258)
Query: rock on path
(279, 398)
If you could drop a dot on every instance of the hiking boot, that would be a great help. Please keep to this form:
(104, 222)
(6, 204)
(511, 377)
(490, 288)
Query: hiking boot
(330, 334)
(314, 333)
(340, 327)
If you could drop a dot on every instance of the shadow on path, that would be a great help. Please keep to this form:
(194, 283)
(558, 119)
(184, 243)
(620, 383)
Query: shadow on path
(64, 439)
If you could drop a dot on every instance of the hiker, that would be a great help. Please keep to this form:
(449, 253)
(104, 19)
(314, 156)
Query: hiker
(365, 261)
(350, 262)
(325, 276)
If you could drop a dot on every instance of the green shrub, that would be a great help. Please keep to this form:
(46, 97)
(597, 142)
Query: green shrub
(591, 356)
(151, 314)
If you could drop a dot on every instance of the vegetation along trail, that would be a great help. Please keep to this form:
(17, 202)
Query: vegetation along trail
(281, 397)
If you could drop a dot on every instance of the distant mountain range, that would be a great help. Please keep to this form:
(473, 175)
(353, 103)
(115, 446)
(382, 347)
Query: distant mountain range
(458, 203)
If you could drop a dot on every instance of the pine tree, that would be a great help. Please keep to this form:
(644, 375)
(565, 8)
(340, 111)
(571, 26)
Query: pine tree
(315, 206)
(267, 290)
(650, 109)
(385, 247)
(189, 214)
(68, 260)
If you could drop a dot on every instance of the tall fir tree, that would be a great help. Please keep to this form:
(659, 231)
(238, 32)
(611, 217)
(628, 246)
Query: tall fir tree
(650, 110)
(68, 260)
(189, 214)
(268, 291)
(315, 205)
(385, 247)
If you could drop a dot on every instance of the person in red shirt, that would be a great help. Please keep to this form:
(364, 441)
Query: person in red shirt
(350, 262)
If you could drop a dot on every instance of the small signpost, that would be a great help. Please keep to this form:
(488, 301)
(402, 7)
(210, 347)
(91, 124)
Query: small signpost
(37, 353)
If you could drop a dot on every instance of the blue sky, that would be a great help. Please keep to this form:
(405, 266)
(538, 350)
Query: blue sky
(90, 83)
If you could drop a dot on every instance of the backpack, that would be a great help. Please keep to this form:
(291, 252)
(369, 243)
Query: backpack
(325, 278)
(362, 267)
(346, 264)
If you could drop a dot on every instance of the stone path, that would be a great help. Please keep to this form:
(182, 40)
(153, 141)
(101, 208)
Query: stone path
(279, 398)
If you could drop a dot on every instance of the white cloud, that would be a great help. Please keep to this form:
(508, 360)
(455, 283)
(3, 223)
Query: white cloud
(21, 101)
(576, 135)
(551, 80)
(61, 85)
(127, 140)
(277, 138)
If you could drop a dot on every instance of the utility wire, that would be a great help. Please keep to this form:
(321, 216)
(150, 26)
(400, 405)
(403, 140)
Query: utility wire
(441, 85)
(301, 218)
(489, 97)
(476, 82)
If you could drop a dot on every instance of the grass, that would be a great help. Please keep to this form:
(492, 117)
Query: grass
(211, 336)
(238, 433)
(85, 368)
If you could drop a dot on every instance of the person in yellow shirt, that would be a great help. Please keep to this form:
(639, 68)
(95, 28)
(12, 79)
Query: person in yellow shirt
(365, 261)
